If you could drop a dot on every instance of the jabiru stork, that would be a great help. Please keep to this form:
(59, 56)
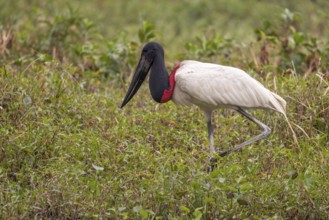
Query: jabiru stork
(209, 86)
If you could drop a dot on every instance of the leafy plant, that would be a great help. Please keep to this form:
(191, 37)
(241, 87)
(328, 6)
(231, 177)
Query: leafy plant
(65, 32)
(215, 47)
(294, 48)
(117, 58)
(146, 33)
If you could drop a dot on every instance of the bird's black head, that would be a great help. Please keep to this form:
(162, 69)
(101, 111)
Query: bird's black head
(149, 53)
(152, 49)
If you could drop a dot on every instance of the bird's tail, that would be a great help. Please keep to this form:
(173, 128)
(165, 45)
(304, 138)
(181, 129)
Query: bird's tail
(280, 105)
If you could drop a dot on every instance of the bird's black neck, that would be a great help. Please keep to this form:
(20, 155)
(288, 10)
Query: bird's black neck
(159, 80)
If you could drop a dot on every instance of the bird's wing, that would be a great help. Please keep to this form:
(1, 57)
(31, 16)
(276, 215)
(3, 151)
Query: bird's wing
(211, 86)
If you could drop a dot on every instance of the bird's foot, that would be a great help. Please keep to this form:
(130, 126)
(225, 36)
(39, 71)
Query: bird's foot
(213, 163)
(223, 154)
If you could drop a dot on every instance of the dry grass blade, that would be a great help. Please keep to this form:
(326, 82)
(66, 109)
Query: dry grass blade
(320, 75)
(6, 41)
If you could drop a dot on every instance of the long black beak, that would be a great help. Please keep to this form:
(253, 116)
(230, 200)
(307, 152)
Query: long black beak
(142, 69)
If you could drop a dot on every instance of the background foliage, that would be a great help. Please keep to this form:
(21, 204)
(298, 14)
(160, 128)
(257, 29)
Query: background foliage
(68, 151)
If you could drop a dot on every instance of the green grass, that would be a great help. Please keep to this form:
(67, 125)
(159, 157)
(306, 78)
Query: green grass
(71, 152)
(68, 151)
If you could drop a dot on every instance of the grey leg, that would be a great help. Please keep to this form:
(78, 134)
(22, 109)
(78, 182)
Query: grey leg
(213, 161)
(210, 132)
(265, 131)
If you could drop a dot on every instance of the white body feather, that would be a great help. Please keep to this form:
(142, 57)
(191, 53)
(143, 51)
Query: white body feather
(212, 86)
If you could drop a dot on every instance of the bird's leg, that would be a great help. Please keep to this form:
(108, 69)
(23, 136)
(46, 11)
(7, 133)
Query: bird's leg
(210, 135)
(265, 131)
(213, 160)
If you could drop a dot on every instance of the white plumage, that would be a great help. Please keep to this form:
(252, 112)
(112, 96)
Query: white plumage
(209, 86)
(212, 86)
